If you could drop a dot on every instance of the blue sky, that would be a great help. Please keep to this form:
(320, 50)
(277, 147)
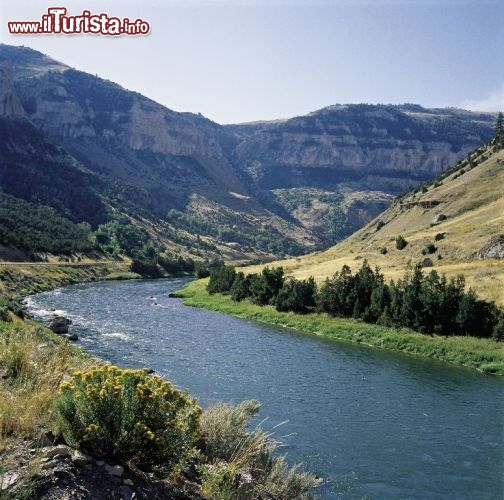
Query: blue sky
(237, 61)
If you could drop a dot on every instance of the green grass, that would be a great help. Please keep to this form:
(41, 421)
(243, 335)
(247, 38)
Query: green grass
(484, 355)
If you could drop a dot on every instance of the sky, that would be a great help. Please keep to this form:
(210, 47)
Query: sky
(245, 60)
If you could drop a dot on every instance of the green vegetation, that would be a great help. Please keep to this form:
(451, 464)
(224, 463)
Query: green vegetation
(121, 237)
(499, 131)
(400, 242)
(485, 355)
(39, 228)
(138, 420)
(17, 281)
(235, 230)
(125, 415)
(428, 304)
(429, 248)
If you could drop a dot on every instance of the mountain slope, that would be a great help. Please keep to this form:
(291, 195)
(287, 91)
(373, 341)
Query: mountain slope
(458, 214)
(195, 187)
(152, 163)
(364, 154)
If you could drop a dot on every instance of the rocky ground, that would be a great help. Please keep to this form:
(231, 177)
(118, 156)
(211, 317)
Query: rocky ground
(57, 472)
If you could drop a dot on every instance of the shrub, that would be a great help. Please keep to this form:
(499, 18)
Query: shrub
(439, 237)
(126, 415)
(400, 242)
(223, 427)
(383, 250)
(4, 314)
(218, 481)
(11, 306)
(428, 249)
(201, 270)
(379, 225)
(225, 438)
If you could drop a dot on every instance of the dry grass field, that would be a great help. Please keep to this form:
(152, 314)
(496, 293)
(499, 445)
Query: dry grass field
(473, 204)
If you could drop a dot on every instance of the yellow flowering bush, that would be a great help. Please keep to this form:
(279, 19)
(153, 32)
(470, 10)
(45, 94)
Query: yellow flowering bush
(128, 416)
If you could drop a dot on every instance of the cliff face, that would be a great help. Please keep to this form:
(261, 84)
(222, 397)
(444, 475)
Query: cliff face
(129, 137)
(380, 147)
(240, 190)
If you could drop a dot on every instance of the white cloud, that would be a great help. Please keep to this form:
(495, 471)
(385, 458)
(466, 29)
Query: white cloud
(492, 102)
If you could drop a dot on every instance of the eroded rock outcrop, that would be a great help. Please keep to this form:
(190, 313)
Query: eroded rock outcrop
(493, 249)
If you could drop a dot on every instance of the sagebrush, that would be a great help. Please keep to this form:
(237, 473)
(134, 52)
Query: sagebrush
(129, 417)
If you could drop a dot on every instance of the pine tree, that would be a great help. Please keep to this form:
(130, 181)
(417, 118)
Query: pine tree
(240, 289)
(499, 131)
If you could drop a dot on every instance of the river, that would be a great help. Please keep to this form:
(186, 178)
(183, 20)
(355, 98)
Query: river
(373, 424)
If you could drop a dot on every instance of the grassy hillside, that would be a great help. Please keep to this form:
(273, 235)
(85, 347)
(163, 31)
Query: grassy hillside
(472, 199)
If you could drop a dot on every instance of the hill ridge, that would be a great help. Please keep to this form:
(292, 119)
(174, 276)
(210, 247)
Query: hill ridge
(444, 222)
(234, 192)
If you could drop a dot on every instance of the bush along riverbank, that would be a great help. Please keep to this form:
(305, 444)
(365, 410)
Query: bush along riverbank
(74, 427)
(483, 354)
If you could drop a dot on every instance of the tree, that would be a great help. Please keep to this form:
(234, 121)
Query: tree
(430, 298)
(221, 279)
(264, 287)
(380, 300)
(145, 261)
(411, 307)
(451, 293)
(337, 295)
(201, 270)
(297, 296)
(467, 319)
(241, 287)
(498, 331)
(400, 242)
(499, 131)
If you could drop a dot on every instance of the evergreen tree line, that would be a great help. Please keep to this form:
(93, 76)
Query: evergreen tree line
(430, 304)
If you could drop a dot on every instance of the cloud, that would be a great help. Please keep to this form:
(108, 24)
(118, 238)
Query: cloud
(492, 102)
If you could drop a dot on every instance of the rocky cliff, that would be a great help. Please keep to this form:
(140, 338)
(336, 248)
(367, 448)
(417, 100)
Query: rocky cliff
(374, 146)
(360, 154)
(259, 189)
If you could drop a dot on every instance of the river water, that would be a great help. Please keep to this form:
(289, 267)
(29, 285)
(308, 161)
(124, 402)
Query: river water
(373, 424)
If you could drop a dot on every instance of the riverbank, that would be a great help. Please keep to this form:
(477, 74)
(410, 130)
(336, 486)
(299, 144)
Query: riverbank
(484, 355)
(17, 280)
(36, 463)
